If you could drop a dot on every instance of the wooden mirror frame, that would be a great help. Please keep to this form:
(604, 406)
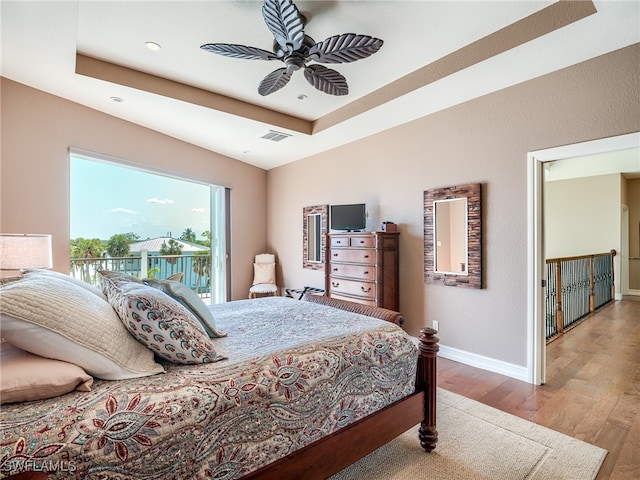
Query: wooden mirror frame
(323, 210)
(472, 192)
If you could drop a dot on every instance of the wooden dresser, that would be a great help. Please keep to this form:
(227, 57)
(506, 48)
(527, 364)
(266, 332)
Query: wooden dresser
(363, 268)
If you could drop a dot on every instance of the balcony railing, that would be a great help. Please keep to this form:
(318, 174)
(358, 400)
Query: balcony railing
(577, 287)
(196, 268)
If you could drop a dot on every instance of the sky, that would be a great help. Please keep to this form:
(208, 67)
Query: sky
(107, 199)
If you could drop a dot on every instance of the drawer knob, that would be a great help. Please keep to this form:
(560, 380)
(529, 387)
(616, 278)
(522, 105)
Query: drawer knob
(367, 272)
(335, 269)
(366, 256)
(335, 254)
(335, 284)
(365, 290)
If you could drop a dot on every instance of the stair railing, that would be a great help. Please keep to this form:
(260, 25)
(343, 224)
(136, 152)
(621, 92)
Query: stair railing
(575, 288)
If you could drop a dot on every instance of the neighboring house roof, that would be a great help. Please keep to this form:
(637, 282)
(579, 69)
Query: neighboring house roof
(154, 244)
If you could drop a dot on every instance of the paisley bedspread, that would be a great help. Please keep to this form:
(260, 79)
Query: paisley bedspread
(296, 371)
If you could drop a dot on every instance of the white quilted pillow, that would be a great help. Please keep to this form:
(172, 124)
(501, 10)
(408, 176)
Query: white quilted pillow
(50, 273)
(57, 319)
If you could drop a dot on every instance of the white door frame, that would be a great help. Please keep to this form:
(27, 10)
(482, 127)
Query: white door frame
(536, 363)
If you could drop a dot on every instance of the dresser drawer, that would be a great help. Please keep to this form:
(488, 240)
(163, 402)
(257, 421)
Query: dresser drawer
(355, 255)
(362, 241)
(352, 287)
(340, 241)
(356, 272)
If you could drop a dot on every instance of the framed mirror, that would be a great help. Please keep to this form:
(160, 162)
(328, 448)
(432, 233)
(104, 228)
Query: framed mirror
(315, 221)
(452, 236)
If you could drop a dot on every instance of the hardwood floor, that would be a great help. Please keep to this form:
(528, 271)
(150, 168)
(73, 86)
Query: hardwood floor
(592, 391)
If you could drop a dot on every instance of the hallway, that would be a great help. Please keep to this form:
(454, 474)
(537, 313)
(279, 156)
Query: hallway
(592, 391)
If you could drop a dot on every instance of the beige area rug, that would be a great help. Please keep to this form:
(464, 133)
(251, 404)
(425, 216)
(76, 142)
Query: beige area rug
(476, 441)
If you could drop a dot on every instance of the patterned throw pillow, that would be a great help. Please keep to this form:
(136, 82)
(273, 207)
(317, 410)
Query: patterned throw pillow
(108, 279)
(161, 323)
(189, 299)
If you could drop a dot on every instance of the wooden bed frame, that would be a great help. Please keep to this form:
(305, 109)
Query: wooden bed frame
(330, 454)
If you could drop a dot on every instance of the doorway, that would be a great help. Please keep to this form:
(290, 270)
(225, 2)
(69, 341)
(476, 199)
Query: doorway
(536, 341)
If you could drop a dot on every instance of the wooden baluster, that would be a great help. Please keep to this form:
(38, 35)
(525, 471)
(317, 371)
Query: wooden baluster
(559, 316)
(592, 293)
(613, 283)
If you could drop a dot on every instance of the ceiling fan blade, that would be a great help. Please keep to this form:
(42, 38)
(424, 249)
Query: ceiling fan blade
(285, 22)
(326, 80)
(345, 48)
(274, 81)
(239, 51)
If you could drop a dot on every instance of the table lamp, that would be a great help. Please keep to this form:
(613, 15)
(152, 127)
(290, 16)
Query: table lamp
(20, 251)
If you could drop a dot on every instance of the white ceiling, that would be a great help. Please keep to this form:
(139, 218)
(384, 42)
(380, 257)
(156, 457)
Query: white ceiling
(626, 162)
(429, 52)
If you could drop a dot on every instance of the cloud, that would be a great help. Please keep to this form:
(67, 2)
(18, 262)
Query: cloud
(124, 210)
(157, 201)
(198, 210)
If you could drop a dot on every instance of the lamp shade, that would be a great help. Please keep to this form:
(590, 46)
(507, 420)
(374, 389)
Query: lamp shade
(19, 251)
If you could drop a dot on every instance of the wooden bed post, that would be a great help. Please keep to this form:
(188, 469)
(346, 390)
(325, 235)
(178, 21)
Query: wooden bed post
(426, 381)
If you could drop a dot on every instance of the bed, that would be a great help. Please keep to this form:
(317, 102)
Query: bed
(299, 389)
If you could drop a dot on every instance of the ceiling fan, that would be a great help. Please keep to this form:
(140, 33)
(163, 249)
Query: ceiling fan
(292, 46)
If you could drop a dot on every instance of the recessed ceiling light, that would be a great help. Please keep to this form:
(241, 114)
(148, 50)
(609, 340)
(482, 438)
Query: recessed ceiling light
(117, 99)
(153, 46)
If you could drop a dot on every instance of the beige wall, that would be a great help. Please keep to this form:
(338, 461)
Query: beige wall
(38, 129)
(485, 140)
(582, 215)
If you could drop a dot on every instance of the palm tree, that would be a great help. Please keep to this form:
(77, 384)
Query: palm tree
(207, 235)
(82, 250)
(201, 266)
(188, 235)
(118, 245)
(173, 248)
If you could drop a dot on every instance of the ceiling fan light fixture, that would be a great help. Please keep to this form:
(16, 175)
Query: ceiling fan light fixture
(296, 49)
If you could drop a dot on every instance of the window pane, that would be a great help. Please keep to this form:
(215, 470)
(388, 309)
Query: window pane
(146, 224)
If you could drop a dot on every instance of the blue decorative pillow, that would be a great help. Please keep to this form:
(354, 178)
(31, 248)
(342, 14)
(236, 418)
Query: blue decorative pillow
(161, 323)
(189, 299)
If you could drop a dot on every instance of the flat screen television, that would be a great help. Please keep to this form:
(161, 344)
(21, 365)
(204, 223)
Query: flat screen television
(348, 217)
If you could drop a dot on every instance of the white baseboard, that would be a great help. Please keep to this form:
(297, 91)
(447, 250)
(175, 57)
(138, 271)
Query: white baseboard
(485, 363)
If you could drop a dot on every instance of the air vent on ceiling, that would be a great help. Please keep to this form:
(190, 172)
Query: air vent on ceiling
(275, 136)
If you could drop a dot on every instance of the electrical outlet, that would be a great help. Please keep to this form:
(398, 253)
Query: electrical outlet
(435, 325)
